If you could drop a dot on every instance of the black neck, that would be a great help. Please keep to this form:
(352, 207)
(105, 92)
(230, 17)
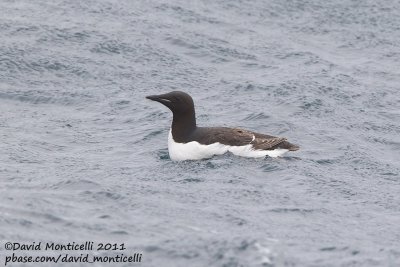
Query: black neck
(182, 126)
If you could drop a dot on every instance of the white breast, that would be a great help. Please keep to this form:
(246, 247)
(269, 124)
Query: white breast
(194, 150)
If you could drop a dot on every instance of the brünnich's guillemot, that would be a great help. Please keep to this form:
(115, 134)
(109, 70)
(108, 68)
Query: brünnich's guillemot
(186, 141)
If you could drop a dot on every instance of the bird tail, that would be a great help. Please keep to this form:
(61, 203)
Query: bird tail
(288, 146)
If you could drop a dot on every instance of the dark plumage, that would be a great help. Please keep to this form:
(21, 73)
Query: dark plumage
(184, 128)
(240, 137)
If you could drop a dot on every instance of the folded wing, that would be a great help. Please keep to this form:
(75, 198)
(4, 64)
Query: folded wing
(240, 137)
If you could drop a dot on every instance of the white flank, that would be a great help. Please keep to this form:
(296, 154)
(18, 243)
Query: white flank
(194, 150)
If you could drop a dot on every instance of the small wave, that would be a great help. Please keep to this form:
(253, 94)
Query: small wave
(112, 47)
(206, 47)
(241, 252)
(163, 154)
(291, 210)
(41, 97)
(187, 15)
(119, 232)
(76, 185)
(256, 116)
(109, 195)
(63, 35)
(192, 180)
(270, 168)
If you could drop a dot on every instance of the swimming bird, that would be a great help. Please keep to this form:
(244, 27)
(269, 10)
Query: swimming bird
(187, 141)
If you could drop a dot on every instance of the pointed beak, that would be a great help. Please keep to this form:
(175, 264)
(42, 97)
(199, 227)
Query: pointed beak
(159, 98)
(152, 97)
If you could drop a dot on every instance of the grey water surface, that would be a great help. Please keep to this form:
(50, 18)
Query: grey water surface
(83, 154)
